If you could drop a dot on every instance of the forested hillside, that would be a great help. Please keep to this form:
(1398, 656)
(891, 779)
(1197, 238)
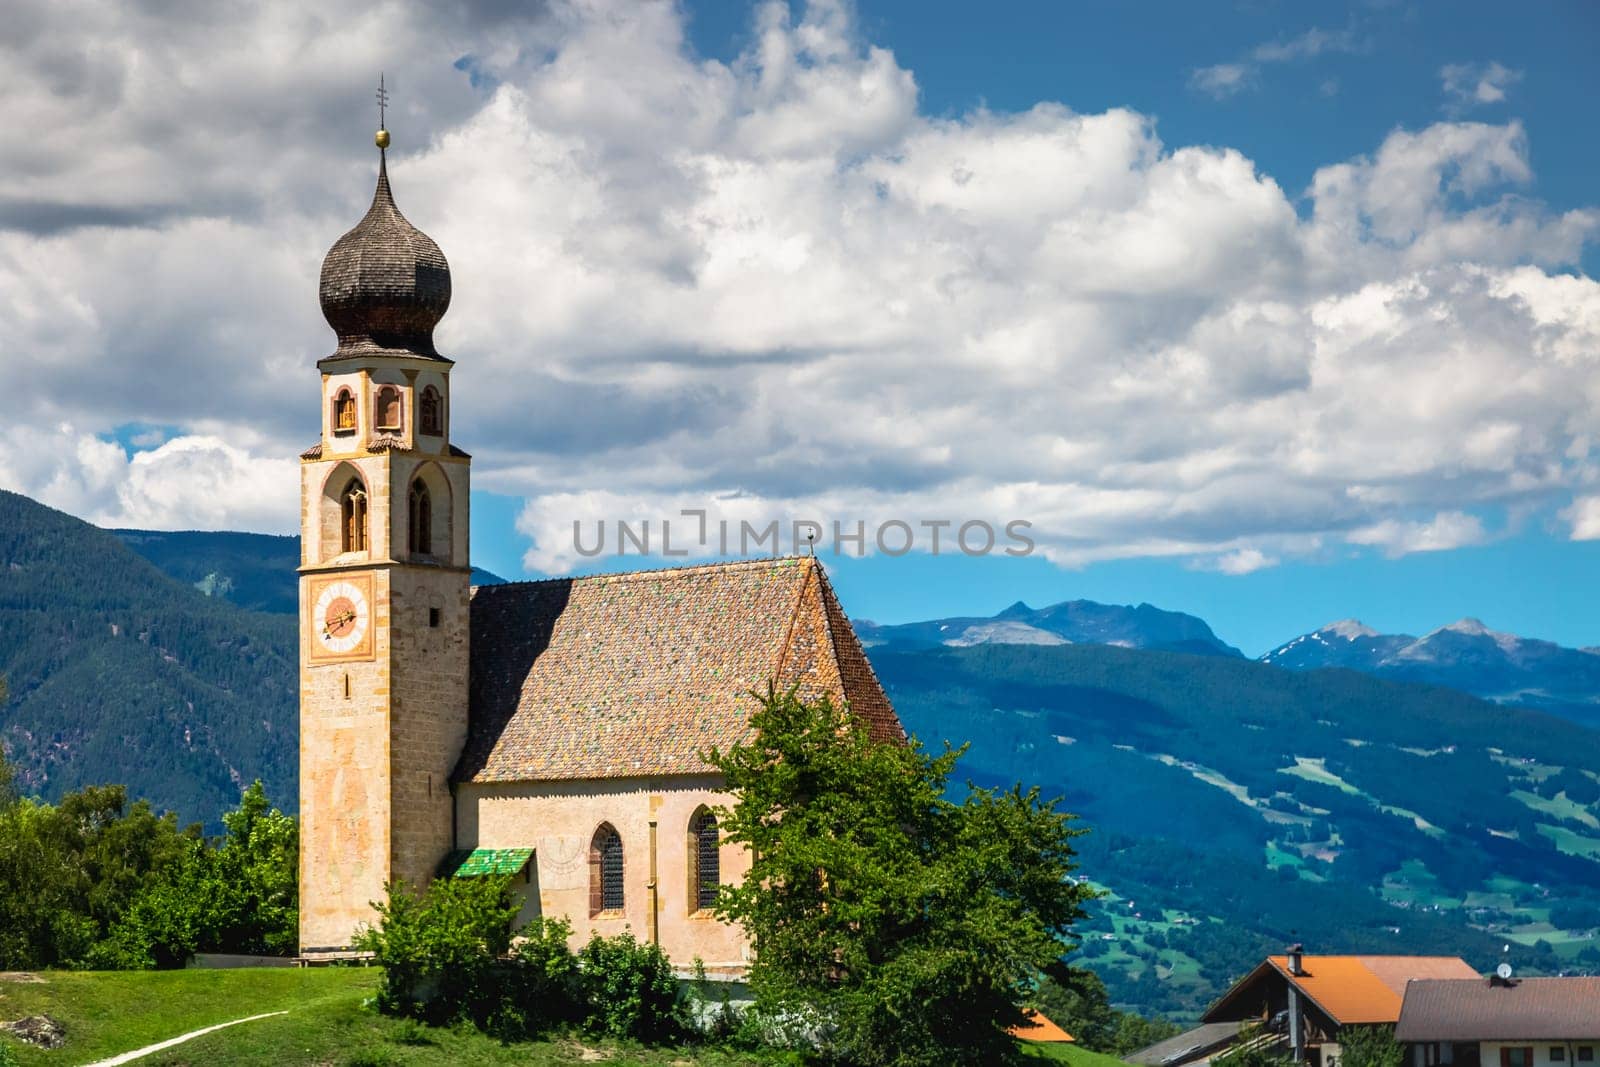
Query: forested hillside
(119, 673)
(1329, 807)
(255, 571)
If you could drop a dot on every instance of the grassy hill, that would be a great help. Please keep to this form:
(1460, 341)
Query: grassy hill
(327, 1021)
(1238, 807)
(118, 673)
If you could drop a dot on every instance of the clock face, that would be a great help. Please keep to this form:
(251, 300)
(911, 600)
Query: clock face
(341, 619)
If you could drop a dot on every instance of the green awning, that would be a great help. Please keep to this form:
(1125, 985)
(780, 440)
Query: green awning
(484, 861)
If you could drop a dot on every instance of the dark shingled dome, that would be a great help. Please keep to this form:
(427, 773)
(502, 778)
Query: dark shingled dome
(385, 284)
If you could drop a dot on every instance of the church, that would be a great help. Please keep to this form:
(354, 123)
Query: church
(549, 730)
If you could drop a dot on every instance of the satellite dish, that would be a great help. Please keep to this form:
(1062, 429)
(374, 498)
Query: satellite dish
(1504, 971)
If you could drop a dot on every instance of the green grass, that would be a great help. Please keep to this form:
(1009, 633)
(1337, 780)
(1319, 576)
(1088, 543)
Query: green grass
(1560, 805)
(327, 1023)
(1066, 1053)
(1570, 843)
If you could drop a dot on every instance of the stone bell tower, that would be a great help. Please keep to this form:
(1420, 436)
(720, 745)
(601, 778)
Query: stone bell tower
(383, 582)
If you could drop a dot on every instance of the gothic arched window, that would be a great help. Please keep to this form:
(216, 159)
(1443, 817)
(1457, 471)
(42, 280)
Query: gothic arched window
(344, 412)
(421, 525)
(353, 510)
(389, 408)
(605, 871)
(431, 414)
(705, 861)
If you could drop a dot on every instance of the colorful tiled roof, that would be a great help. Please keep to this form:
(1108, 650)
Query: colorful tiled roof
(1523, 1009)
(637, 674)
(1349, 989)
(480, 862)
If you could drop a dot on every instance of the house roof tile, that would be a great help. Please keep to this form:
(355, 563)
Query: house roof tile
(1526, 1009)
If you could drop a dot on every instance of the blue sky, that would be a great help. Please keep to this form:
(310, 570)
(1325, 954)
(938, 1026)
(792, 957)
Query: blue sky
(1270, 312)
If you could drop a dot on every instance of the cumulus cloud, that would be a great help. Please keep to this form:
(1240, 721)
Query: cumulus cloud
(1447, 530)
(1475, 84)
(1584, 515)
(774, 288)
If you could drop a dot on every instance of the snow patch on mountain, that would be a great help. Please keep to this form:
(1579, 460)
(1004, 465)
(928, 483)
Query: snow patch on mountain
(1005, 633)
(1349, 629)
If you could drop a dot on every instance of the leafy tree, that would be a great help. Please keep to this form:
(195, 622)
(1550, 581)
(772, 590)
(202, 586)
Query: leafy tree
(69, 872)
(257, 873)
(1370, 1046)
(240, 896)
(894, 924)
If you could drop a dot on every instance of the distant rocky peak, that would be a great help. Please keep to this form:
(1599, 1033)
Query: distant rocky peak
(1349, 629)
(1019, 610)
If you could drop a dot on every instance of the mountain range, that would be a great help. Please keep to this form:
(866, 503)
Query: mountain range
(1235, 805)
(1464, 655)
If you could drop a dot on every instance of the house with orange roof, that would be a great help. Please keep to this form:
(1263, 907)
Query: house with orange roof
(1302, 1002)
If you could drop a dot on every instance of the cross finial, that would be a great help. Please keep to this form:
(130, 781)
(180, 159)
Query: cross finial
(382, 138)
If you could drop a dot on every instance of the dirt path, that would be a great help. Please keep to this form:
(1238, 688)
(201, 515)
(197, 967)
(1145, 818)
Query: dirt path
(128, 1057)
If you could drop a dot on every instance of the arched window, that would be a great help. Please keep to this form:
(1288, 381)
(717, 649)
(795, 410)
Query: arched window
(605, 871)
(353, 509)
(344, 412)
(431, 415)
(389, 415)
(705, 861)
(421, 525)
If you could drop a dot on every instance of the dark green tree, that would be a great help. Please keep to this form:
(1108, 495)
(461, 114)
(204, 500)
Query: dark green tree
(1370, 1046)
(892, 924)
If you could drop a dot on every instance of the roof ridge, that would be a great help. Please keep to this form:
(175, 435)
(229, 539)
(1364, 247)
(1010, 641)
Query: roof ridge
(681, 570)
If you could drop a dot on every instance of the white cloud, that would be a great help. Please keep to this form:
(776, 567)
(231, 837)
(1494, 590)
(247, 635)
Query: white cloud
(1222, 80)
(1314, 42)
(775, 286)
(1475, 84)
(1446, 530)
(1242, 561)
(1584, 515)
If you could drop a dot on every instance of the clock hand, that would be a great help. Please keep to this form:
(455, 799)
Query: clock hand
(340, 621)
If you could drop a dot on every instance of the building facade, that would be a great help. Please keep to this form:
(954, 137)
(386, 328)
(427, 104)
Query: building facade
(1501, 1022)
(551, 730)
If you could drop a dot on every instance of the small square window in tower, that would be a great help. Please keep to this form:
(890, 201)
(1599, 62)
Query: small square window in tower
(389, 409)
(343, 418)
(430, 416)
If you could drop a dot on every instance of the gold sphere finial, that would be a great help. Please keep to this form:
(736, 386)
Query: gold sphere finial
(382, 138)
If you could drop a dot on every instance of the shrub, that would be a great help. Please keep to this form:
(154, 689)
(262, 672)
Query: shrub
(438, 950)
(448, 956)
(630, 989)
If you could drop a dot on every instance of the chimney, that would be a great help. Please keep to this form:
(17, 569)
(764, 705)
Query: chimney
(1296, 952)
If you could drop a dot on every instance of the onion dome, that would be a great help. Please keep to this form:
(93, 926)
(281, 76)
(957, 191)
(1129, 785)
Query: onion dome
(385, 284)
